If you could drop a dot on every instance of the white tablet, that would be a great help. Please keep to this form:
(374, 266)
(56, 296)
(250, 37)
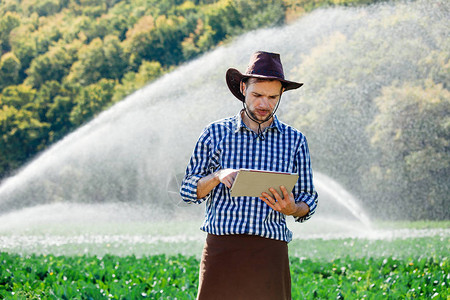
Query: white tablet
(253, 182)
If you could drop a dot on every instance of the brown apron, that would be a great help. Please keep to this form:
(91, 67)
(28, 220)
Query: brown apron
(246, 267)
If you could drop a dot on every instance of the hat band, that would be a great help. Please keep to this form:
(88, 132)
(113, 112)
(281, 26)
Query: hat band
(269, 73)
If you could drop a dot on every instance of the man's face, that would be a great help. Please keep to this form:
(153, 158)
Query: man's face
(261, 97)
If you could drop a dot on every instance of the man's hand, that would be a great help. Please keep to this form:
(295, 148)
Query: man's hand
(207, 183)
(286, 204)
(227, 176)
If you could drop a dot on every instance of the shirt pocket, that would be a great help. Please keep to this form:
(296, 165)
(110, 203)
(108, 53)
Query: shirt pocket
(281, 165)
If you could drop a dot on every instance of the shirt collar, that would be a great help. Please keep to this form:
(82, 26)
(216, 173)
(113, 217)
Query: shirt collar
(239, 123)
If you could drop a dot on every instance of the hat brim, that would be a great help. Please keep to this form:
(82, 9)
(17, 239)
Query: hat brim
(234, 78)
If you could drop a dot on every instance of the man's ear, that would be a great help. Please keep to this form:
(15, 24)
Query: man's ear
(243, 87)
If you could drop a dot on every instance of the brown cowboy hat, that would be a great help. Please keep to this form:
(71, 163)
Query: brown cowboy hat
(264, 65)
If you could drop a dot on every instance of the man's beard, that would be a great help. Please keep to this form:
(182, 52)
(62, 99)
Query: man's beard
(255, 118)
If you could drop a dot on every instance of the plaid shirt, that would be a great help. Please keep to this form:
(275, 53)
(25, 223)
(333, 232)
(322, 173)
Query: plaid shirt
(229, 143)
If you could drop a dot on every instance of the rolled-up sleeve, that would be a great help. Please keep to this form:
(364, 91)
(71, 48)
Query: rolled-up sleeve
(196, 169)
(304, 189)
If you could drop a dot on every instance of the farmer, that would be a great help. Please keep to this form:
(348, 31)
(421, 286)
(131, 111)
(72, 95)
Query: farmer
(246, 255)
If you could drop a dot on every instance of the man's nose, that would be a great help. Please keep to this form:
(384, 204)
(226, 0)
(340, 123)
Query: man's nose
(264, 102)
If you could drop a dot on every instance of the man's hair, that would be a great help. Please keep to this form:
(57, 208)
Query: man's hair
(251, 80)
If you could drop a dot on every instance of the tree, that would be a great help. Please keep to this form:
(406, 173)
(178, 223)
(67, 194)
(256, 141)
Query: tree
(9, 70)
(115, 62)
(138, 39)
(7, 23)
(222, 18)
(258, 13)
(115, 24)
(23, 47)
(99, 59)
(54, 102)
(18, 96)
(22, 134)
(52, 65)
(412, 134)
(88, 68)
(46, 7)
(156, 40)
(91, 100)
(198, 41)
(132, 81)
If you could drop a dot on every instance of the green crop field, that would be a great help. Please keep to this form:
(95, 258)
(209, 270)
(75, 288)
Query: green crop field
(175, 277)
(409, 268)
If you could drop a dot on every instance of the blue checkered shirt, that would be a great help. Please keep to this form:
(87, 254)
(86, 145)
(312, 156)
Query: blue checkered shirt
(229, 143)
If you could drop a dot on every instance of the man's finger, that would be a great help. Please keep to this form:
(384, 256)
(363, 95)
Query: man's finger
(267, 196)
(267, 201)
(275, 194)
(285, 192)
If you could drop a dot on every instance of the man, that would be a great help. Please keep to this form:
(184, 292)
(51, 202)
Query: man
(245, 254)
